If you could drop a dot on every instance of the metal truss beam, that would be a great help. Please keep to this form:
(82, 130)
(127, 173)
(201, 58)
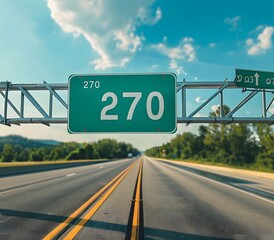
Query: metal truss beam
(25, 91)
(220, 88)
(12, 113)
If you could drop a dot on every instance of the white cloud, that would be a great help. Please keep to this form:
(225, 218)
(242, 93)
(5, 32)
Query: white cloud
(271, 110)
(200, 115)
(262, 43)
(126, 40)
(153, 68)
(233, 22)
(214, 108)
(184, 51)
(108, 26)
(212, 45)
(200, 100)
(173, 65)
(146, 16)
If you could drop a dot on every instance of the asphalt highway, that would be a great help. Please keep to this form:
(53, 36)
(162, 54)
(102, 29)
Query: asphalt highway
(171, 201)
(32, 204)
(181, 203)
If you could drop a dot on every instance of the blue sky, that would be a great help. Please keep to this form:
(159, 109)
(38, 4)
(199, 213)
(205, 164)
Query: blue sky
(199, 40)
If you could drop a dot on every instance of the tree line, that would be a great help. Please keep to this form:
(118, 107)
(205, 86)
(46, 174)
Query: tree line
(102, 149)
(245, 145)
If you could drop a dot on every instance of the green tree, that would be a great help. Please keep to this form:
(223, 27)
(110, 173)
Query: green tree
(265, 158)
(201, 148)
(153, 151)
(61, 151)
(242, 145)
(106, 148)
(8, 154)
(216, 134)
(22, 155)
(37, 155)
(56, 153)
(90, 151)
(189, 145)
(76, 154)
(183, 146)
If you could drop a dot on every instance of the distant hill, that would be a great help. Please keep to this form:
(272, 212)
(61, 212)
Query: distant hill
(16, 140)
(47, 142)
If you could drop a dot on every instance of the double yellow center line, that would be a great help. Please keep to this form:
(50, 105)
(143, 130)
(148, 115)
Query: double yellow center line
(63, 226)
(135, 230)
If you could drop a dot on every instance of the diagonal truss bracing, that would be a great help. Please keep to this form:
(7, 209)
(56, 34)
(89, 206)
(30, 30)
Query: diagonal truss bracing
(12, 112)
(222, 117)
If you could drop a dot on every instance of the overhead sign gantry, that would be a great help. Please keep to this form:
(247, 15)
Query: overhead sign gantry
(134, 105)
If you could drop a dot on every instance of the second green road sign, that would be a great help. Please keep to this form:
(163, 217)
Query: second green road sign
(144, 103)
(254, 79)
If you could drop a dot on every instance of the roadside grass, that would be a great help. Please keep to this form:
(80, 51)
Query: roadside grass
(22, 164)
(251, 167)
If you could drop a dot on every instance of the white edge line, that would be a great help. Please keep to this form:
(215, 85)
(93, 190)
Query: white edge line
(223, 184)
(70, 175)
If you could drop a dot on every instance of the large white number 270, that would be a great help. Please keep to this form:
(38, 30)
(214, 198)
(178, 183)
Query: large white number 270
(113, 104)
(137, 96)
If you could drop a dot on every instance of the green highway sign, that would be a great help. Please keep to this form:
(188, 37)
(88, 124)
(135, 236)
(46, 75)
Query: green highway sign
(128, 103)
(254, 79)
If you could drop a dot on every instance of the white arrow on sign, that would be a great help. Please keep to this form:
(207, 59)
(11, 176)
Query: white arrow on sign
(257, 78)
